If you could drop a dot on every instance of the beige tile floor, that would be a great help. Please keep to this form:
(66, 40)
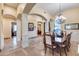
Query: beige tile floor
(36, 49)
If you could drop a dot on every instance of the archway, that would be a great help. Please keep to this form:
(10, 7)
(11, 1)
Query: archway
(44, 19)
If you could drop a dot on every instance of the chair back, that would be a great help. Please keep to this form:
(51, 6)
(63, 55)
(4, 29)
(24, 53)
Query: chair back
(52, 39)
(69, 38)
(48, 39)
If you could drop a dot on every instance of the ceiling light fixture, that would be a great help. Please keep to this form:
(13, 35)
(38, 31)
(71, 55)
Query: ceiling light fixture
(60, 12)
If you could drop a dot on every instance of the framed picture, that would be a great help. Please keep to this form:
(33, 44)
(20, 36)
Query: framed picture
(72, 26)
(30, 27)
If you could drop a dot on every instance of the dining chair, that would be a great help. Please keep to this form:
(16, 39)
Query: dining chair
(50, 45)
(62, 47)
(69, 40)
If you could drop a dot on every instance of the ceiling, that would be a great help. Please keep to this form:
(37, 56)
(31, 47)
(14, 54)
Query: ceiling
(14, 5)
(53, 8)
(14, 9)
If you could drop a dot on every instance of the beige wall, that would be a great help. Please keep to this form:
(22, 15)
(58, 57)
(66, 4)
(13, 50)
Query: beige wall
(35, 20)
(32, 19)
(38, 10)
(10, 11)
(7, 27)
(72, 16)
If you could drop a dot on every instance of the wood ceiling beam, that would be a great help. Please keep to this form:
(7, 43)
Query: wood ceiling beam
(28, 7)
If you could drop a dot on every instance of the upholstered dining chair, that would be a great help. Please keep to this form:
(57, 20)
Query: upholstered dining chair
(62, 47)
(50, 45)
(69, 40)
(66, 45)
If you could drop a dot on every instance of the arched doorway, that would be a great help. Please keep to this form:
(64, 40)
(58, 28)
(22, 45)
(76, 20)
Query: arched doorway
(39, 29)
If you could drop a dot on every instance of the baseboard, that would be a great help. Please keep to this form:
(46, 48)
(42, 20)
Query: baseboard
(7, 38)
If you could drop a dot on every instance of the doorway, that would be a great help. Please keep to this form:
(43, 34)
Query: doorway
(13, 29)
(9, 30)
(14, 33)
(39, 29)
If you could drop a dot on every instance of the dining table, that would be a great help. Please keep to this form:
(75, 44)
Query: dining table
(60, 40)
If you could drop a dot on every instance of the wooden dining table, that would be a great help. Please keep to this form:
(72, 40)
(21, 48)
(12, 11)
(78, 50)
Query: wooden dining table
(60, 40)
(57, 39)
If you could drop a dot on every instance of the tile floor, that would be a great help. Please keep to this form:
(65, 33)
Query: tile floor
(36, 49)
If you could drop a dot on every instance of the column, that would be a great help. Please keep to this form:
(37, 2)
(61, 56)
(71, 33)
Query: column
(25, 40)
(46, 26)
(1, 29)
(52, 25)
(18, 30)
(1, 34)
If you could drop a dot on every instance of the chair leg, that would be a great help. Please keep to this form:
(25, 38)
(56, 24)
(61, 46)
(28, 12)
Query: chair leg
(0, 50)
(67, 48)
(60, 51)
(65, 51)
(45, 50)
(52, 51)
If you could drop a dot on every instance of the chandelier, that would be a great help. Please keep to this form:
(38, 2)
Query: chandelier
(60, 12)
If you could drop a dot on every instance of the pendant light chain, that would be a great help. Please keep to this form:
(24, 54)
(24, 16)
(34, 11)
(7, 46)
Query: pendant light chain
(60, 12)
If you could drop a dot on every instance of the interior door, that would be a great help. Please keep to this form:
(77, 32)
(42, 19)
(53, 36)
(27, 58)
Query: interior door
(39, 29)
